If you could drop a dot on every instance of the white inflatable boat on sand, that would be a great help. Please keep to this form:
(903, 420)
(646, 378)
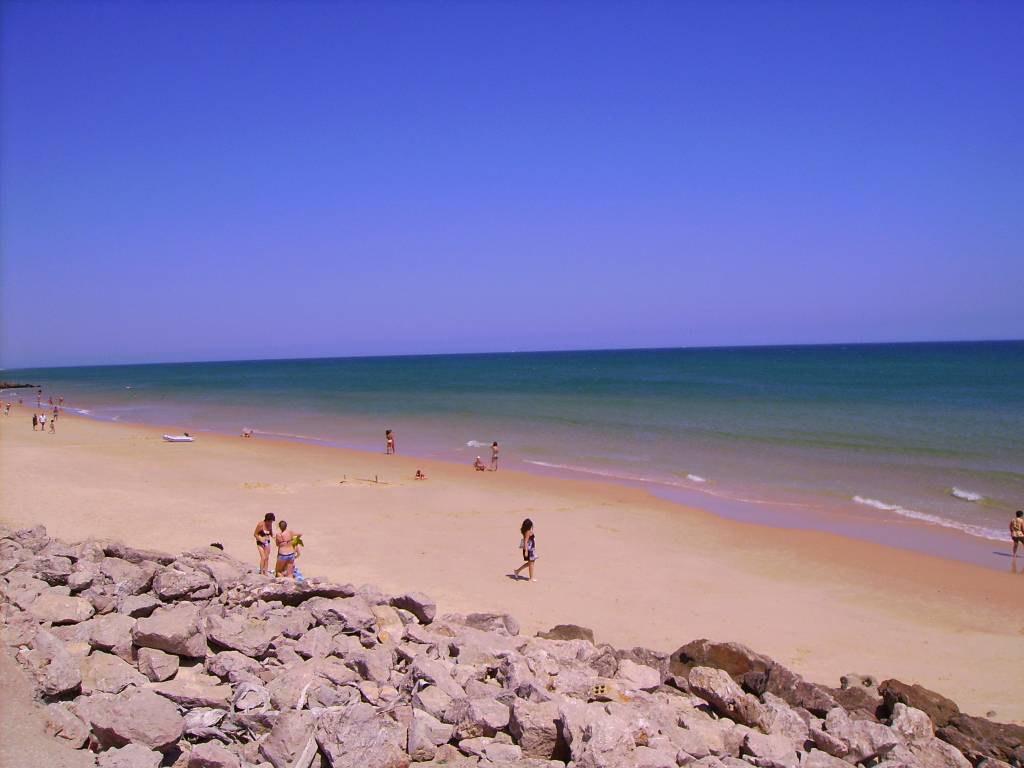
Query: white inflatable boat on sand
(179, 438)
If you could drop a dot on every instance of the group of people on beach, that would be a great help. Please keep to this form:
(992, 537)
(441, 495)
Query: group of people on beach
(40, 420)
(478, 463)
(289, 547)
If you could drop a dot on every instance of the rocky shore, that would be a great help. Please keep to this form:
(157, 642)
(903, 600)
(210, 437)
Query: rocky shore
(193, 661)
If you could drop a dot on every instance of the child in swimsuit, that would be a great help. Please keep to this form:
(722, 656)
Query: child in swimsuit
(529, 547)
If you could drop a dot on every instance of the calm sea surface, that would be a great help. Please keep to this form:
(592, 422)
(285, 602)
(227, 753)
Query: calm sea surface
(927, 432)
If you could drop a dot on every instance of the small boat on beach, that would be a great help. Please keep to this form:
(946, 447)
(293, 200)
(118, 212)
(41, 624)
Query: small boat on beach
(186, 438)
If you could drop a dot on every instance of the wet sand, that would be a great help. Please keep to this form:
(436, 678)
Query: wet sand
(637, 569)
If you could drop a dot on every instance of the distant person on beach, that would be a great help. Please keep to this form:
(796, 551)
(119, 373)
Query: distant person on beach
(419, 475)
(42, 422)
(494, 456)
(247, 432)
(1017, 531)
(35, 421)
(285, 550)
(53, 426)
(56, 411)
(529, 547)
(389, 442)
(264, 533)
(479, 465)
(7, 409)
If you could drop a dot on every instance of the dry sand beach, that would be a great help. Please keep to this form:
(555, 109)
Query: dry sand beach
(638, 570)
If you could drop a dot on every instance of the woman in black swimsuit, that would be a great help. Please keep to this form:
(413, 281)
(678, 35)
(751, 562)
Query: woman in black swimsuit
(264, 533)
(529, 545)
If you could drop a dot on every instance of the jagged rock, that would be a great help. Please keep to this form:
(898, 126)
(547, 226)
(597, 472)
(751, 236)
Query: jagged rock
(106, 673)
(637, 677)
(293, 593)
(251, 637)
(770, 751)
(177, 582)
(388, 623)
(129, 756)
(112, 632)
(136, 555)
(858, 698)
(426, 734)
(349, 615)
(34, 538)
(225, 570)
(202, 722)
(818, 759)
(250, 697)
(978, 738)
(783, 720)
(233, 666)
(53, 607)
(418, 604)
(291, 687)
(479, 717)
(568, 632)
(358, 737)
(133, 716)
(128, 578)
(291, 743)
(52, 569)
(937, 707)
(372, 665)
(81, 579)
(65, 725)
(734, 658)
(437, 673)
(596, 738)
(192, 688)
(315, 644)
(725, 696)
(156, 665)
(791, 688)
(138, 606)
(432, 699)
(490, 622)
(178, 629)
(55, 670)
(534, 726)
(864, 740)
(212, 755)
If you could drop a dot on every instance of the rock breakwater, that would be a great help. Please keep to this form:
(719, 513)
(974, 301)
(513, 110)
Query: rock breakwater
(193, 661)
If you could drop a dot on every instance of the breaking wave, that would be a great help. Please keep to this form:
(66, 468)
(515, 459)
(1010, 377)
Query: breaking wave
(978, 531)
(960, 493)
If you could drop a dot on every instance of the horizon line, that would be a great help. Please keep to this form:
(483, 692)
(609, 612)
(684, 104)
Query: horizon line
(520, 352)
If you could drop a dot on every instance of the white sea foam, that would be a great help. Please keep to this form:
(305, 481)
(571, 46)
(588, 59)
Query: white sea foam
(476, 444)
(696, 479)
(978, 531)
(960, 493)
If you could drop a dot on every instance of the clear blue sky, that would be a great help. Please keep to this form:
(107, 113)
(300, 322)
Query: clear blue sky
(218, 180)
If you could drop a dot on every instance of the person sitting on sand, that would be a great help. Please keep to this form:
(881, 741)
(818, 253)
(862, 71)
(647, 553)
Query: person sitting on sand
(529, 546)
(479, 465)
(247, 432)
(264, 533)
(285, 550)
(1017, 531)
(419, 475)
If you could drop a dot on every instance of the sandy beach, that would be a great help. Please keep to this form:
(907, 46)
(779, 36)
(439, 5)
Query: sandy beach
(638, 570)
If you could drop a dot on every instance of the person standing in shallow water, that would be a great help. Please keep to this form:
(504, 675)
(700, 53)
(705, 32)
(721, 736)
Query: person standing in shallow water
(264, 533)
(1017, 531)
(494, 456)
(529, 545)
(389, 442)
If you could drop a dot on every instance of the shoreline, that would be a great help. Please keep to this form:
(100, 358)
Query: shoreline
(637, 569)
(857, 518)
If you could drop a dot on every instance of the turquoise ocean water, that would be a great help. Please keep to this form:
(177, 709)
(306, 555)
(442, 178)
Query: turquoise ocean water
(928, 435)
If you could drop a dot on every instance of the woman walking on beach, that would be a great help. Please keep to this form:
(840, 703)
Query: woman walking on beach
(264, 533)
(529, 545)
(285, 550)
(389, 442)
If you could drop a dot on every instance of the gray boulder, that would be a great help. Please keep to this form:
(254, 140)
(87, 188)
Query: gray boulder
(138, 606)
(55, 608)
(55, 670)
(864, 740)
(129, 756)
(418, 604)
(249, 636)
(157, 665)
(192, 688)
(132, 717)
(61, 723)
(725, 696)
(534, 726)
(213, 755)
(358, 737)
(350, 615)
(178, 629)
(106, 673)
(177, 582)
(291, 743)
